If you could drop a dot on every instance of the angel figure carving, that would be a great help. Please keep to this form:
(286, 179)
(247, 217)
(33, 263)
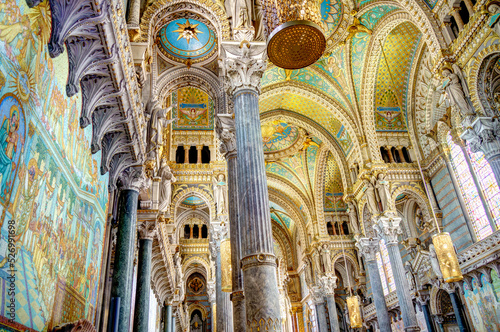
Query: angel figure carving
(456, 89)
(167, 178)
(371, 198)
(384, 190)
(220, 194)
(193, 114)
(157, 120)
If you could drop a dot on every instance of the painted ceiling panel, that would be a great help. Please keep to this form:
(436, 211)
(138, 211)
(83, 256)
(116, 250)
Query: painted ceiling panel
(372, 16)
(399, 49)
(331, 13)
(359, 45)
(278, 136)
(280, 216)
(333, 185)
(314, 111)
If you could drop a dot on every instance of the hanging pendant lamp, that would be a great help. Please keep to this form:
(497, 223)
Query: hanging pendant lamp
(225, 263)
(295, 34)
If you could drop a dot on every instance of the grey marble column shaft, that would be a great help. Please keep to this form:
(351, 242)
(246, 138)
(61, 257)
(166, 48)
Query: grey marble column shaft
(258, 263)
(321, 317)
(168, 318)
(141, 310)
(402, 288)
(369, 248)
(124, 256)
(428, 319)
(332, 313)
(227, 135)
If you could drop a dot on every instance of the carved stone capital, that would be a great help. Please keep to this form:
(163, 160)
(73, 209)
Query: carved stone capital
(368, 247)
(328, 283)
(226, 131)
(317, 295)
(242, 66)
(211, 291)
(483, 134)
(388, 227)
(134, 178)
(146, 229)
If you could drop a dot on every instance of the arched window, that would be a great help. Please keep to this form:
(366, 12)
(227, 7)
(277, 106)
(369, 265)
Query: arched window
(385, 269)
(469, 191)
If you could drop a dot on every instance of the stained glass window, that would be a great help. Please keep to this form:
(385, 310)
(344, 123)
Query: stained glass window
(469, 191)
(385, 269)
(487, 182)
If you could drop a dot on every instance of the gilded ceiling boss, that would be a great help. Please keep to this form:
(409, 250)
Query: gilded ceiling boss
(249, 165)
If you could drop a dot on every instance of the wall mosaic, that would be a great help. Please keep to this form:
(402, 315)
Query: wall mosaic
(50, 188)
(193, 108)
(331, 14)
(483, 304)
(392, 82)
(371, 17)
(278, 135)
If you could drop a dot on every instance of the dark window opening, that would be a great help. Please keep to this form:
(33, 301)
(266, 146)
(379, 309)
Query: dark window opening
(395, 155)
(179, 155)
(385, 155)
(345, 228)
(329, 227)
(204, 232)
(195, 231)
(193, 155)
(186, 232)
(464, 13)
(406, 154)
(454, 27)
(205, 155)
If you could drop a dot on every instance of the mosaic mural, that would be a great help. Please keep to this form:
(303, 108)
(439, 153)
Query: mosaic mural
(193, 108)
(371, 17)
(483, 304)
(279, 216)
(184, 39)
(277, 135)
(392, 81)
(331, 13)
(333, 186)
(53, 199)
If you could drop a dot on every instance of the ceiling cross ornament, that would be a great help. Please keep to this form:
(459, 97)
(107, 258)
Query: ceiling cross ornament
(188, 31)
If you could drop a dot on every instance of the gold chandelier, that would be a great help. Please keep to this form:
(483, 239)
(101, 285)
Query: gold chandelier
(225, 263)
(295, 33)
(447, 258)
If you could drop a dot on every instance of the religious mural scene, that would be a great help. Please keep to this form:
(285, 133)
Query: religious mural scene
(264, 165)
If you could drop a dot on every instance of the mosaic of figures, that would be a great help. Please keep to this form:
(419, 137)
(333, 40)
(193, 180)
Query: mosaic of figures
(50, 184)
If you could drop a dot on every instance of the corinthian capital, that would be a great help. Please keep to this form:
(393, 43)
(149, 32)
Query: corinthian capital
(483, 135)
(329, 283)
(317, 295)
(243, 65)
(227, 134)
(388, 227)
(134, 178)
(368, 247)
(146, 229)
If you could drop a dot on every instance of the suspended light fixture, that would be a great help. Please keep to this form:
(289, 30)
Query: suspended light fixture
(225, 264)
(294, 29)
(445, 251)
(352, 301)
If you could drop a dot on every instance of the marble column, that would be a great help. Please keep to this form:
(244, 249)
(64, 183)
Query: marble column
(329, 282)
(318, 298)
(368, 247)
(439, 320)
(211, 299)
(423, 301)
(186, 154)
(388, 227)
(131, 181)
(457, 306)
(146, 230)
(168, 318)
(399, 148)
(224, 311)
(133, 17)
(388, 148)
(243, 68)
(227, 136)
(174, 321)
(198, 150)
(458, 19)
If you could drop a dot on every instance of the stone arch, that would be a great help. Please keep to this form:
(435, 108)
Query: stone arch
(188, 269)
(418, 195)
(185, 216)
(285, 241)
(196, 306)
(317, 130)
(181, 195)
(381, 31)
(317, 96)
(480, 70)
(161, 8)
(283, 185)
(340, 267)
(350, 257)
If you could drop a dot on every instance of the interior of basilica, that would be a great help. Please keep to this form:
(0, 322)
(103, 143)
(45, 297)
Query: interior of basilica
(250, 165)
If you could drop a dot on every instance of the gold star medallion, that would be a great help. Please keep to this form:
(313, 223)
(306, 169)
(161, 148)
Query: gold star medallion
(188, 31)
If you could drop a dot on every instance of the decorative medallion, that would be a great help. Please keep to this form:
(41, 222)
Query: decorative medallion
(281, 139)
(187, 39)
(193, 201)
(196, 285)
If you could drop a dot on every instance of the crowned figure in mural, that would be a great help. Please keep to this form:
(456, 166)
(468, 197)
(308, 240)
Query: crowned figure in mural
(456, 89)
(220, 194)
(157, 120)
(384, 191)
(9, 140)
(167, 178)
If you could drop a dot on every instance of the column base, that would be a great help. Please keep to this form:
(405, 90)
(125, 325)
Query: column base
(412, 329)
(239, 311)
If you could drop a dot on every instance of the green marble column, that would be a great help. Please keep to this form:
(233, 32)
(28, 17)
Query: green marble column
(168, 318)
(131, 180)
(141, 312)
